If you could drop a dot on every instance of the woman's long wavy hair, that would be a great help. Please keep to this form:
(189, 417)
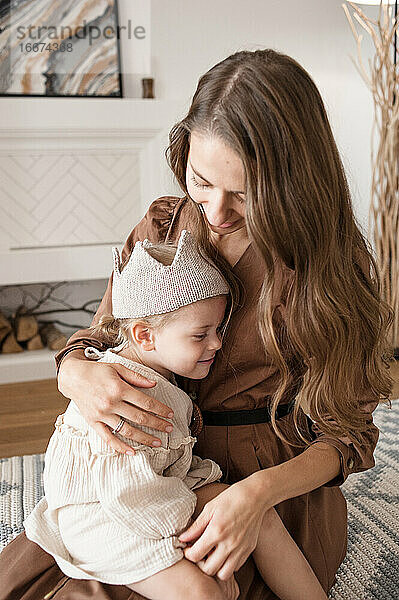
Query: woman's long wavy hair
(266, 107)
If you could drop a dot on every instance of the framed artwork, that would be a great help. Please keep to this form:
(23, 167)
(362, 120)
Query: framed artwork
(60, 48)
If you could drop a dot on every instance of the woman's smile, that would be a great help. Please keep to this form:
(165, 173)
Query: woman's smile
(225, 225)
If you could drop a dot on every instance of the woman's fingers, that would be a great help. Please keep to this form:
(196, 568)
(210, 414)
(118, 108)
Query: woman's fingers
(227, 530)
(127, 402)
(195, 530)
(138, 398)
(135, 434)
(200, 549)
(232, 564)
(214, 562)
(105, 432)
(109, 438)
(140, 417)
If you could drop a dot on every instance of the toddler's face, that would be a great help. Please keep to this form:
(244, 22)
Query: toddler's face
(188, 344)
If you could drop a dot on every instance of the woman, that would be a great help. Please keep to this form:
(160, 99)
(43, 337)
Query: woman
(264, 192)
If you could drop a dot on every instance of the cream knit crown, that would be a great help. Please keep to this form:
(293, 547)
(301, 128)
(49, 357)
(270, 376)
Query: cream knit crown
(147, 287)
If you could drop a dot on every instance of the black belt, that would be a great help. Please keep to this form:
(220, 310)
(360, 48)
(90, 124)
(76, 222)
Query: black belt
(244, 417)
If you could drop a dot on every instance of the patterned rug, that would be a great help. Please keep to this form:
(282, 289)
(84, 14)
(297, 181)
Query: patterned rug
(21, 487)
(369, 572)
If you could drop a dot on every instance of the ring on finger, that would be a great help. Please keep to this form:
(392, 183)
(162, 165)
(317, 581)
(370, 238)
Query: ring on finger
(119, 426)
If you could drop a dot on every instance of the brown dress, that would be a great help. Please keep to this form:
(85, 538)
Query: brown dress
(240, 378)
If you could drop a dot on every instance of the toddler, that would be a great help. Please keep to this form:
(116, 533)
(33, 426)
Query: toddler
(116, 517)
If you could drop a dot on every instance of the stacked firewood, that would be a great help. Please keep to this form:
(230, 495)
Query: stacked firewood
(22, 332)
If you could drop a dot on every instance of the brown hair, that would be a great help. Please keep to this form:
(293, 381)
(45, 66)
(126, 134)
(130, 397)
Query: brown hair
(266, 107)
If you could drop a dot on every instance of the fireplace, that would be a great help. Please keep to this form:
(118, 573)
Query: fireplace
(75, 176)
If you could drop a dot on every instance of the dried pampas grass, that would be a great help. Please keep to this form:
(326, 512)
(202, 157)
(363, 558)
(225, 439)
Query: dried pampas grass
(382, 79)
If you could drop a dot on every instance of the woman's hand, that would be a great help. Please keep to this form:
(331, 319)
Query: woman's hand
(226, 531)
(104, 393)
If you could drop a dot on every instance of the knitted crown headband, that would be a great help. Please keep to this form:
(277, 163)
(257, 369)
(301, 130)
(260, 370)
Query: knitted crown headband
(146, 287)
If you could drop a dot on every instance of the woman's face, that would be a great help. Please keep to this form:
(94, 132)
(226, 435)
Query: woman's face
(215, 178)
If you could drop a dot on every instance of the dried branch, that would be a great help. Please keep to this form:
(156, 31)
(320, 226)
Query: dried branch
(56, 321)
(382, 79)
(61, 310)
(47, 295)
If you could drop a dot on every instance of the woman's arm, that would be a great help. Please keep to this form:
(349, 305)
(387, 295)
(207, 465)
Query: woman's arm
(231, 522)
(314, 467)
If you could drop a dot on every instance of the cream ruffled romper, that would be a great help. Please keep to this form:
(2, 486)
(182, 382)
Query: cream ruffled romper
(110, 516)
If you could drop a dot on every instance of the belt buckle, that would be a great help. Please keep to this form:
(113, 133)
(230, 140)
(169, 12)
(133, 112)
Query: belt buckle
(197, 421)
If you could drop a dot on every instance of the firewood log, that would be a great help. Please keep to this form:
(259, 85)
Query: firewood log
(25, 325)
(10, 344)
(52, 337)
(5, 327)
(35, 343)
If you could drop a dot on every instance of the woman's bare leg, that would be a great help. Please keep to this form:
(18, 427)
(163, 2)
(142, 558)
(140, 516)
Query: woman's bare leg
(279, 560)
(180, 581)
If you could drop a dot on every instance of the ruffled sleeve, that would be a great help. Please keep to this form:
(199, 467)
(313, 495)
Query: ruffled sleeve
(202, 471)
(155, 225)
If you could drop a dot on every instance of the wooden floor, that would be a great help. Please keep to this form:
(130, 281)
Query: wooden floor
(28, 411)
(27, 414)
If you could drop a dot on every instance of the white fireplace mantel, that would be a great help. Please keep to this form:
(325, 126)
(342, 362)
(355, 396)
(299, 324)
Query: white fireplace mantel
(76, 174)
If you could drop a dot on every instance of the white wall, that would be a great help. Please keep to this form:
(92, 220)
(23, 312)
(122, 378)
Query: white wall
(189, 36)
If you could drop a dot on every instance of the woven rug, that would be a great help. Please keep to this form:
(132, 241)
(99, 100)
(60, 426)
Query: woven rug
(21, 487)
(370, 570)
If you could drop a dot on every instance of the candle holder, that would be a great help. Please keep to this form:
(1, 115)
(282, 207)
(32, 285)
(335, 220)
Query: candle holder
(148, 87)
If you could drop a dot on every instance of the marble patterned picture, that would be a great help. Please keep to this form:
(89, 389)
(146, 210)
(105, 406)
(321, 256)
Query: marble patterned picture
(59, 48)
